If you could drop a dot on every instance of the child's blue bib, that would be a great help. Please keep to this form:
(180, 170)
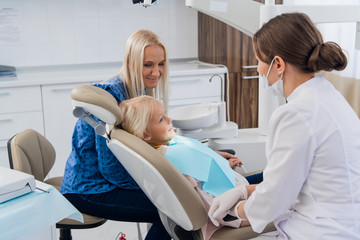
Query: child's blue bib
(197, 160)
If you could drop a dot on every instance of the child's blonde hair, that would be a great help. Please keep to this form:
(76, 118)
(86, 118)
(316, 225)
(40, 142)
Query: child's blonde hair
(137, 114)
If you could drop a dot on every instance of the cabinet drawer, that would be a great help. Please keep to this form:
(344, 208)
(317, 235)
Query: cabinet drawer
(20, 99)
(195, 87)
(11, 124)
(173, 104)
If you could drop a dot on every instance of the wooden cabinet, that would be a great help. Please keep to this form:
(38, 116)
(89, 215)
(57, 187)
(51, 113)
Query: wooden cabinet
(220, 43)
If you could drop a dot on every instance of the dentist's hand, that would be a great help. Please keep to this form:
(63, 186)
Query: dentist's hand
(222, 204)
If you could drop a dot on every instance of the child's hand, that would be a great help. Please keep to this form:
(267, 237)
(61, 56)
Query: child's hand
(234, 161)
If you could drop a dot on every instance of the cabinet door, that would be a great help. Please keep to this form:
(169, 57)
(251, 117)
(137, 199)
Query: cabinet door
(196, 89)
(59, 122)
(4, 161)
(20, 99)
(13, 123)
(20, 109)
(173, 104)
(193, 87)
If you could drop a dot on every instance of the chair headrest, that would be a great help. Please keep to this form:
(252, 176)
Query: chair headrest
(98, 102)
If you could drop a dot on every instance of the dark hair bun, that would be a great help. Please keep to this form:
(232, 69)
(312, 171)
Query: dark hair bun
(327, 56)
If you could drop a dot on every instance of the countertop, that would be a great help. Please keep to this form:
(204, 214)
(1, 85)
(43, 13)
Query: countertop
(46, 75)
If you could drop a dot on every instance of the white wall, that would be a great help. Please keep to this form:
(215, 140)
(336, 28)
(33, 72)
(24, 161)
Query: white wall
(56, 32)
(341, 33)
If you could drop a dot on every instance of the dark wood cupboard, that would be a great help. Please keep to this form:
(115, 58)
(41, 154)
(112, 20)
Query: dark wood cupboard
(220, 43)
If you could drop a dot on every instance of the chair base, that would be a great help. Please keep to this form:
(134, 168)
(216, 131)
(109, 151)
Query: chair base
(65, 234)
(175, 231)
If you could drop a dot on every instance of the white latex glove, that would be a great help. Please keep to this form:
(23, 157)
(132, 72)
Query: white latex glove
(222, 204)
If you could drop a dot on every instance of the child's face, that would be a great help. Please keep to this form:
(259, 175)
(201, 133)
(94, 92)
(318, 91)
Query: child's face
(160, 129)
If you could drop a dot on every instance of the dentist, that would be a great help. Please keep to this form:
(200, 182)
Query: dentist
(311, 183)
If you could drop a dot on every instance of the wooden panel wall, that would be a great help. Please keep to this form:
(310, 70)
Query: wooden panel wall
(220, 43)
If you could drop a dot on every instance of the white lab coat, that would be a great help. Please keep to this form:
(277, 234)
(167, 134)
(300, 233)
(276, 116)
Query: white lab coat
(311, 187)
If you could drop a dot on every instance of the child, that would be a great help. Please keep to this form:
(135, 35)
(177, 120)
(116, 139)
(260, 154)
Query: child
(145, 118)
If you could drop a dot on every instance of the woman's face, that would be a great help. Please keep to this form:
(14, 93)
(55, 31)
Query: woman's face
(160, 129)
(154, 65)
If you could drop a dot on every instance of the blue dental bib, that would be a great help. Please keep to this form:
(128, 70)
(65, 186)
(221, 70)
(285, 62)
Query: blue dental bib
(197, 160)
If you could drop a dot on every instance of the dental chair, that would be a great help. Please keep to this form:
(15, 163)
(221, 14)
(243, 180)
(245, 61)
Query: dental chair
(180, 207)
(30, 152)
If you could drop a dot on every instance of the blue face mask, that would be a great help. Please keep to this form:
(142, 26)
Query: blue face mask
(277, 87)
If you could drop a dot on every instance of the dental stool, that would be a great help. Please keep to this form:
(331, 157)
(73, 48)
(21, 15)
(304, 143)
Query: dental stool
(32, 153)
(180, 207)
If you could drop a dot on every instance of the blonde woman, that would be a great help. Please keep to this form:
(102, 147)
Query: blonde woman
(94, 180)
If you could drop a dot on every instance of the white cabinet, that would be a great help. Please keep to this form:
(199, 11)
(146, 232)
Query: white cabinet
(21, 108)
(59, 122)
(193, 89)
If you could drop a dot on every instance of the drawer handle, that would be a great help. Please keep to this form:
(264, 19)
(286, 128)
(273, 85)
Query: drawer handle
(5, 94)
(250, 77)
(249, 66)
(61, 89)
(185, 80)
(181, 105)
(6, 120)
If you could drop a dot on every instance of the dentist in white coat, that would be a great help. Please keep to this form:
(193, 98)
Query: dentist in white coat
(311, 186)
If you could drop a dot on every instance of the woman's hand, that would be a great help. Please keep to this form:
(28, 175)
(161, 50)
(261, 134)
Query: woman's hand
(222, 204)
(234, 161)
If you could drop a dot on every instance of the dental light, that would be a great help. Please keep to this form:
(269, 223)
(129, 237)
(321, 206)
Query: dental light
(146, 3)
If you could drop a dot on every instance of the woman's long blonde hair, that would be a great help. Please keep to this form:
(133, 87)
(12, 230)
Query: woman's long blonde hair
(132, 68)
